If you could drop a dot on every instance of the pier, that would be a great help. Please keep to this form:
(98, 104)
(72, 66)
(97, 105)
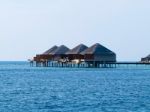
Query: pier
(81, 56)
(86, 64)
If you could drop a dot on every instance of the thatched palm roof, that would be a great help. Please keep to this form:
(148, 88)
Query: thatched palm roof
(60, 50)
(148, 56)
(78, 49)
(97, 49)
(51, 50)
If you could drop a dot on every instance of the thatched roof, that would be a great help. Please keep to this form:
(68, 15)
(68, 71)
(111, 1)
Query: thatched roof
(78, 49)
(60, 50)
(51, 50)
(148, 56)
(97, 49)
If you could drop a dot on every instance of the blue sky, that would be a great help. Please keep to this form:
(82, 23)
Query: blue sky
(32, 26)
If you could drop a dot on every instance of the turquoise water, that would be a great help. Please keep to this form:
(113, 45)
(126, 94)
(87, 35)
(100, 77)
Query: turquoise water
(29, 89)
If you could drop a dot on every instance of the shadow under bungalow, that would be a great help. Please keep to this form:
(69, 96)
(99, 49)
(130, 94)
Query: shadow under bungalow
(80, 56)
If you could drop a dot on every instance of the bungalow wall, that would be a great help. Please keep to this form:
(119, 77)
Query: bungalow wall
(106, 58)
(59, 57)
(102, 58)
(75, 56)
(145, 59)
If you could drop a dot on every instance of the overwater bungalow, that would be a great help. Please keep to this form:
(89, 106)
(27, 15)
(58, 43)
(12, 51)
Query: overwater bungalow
(146, 59)
(60, 53)
(80, 55)
(98, 54)
(47, 55)
(74, 54)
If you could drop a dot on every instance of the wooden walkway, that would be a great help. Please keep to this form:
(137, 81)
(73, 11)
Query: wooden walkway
(85, 64)
(131, 63)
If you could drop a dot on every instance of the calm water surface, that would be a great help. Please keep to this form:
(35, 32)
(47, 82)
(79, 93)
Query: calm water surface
(30, 89)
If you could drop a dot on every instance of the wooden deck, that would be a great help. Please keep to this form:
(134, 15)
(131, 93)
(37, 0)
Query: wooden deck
(130, 63)
(84, 64)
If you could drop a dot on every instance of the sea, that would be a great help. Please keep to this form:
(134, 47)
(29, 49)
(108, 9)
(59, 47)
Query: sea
(38, 89)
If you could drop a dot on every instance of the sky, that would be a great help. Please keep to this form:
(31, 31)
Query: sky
(31, 27)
